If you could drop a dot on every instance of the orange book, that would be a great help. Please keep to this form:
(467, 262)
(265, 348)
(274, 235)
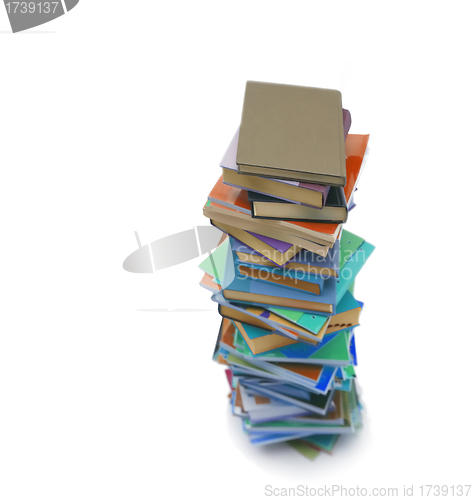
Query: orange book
(208, 283)
(228, 332)
(230, 197)
(355, 148)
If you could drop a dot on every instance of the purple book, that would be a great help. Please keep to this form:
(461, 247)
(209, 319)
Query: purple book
(280, 246)
(239, 246)
(346, 121)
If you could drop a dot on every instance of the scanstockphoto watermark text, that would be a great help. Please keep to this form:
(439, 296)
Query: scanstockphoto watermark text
(276, 274)
(314, 265)
(310, 257)
(337, 490)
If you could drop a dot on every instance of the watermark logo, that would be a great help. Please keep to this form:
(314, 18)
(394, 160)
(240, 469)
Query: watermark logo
(172, 250)
(26, 15)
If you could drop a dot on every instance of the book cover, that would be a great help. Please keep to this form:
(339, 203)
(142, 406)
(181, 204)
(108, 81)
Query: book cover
(292, 132)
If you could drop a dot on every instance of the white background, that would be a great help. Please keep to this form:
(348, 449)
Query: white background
(113, 119)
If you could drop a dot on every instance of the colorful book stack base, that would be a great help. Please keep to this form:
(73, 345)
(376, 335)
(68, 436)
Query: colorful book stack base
(283, 274)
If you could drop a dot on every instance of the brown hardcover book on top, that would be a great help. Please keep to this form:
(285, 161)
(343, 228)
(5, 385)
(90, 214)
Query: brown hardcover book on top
(292, 132)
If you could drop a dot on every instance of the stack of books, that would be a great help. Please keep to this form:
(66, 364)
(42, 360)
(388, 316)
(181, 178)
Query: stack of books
(283, 274)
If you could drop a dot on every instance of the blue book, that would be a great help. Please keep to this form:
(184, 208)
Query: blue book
(352, 267)
(267, 294)
(263, 293)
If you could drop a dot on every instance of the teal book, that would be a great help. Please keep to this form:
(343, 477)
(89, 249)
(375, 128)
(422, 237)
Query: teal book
(351, 267)
(349, 244)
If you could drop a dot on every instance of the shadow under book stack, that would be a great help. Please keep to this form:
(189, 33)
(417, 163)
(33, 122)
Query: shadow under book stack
(283, 274)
